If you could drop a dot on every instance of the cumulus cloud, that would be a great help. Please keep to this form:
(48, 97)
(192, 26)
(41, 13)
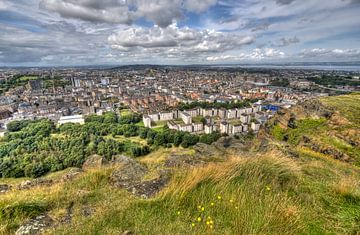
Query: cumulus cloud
(256, 55)
(161, 12)
(181, 39)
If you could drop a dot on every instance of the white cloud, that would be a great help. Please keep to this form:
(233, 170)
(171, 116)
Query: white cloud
(183, 40)
(256, 55)
(161, 12)
(330, 53)
(199, 6)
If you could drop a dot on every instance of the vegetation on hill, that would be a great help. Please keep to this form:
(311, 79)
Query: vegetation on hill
(335, 132)
(34, 148)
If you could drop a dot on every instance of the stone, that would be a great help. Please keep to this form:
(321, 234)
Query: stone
(95, 161)
(129, 176)
(35, 225)
(4, 188)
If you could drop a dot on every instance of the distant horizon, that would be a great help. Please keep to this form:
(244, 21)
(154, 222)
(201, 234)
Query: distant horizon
(52, 33)
(286, 65)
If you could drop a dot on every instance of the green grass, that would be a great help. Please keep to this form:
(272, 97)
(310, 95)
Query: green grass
(28, 78)
(125, 112)
(347, 105)
(262, 195)
(121, 138)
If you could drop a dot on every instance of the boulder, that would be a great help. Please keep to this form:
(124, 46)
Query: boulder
(95, 161)
(129, 176)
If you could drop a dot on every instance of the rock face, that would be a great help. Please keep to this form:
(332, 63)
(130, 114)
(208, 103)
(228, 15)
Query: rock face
(129, 176)
(94, 161)
(35, 226)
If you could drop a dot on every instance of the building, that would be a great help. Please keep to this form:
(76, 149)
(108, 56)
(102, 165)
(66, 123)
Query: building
(245, 128)
(208, 128)
(224, 127)
(172, 125)
(193, 112)
(236, 129)
(147, 121)
(255, 126)
(231, 113)
(209, 112)
(198, 127)
(186, 128)
(244, 118)
(154, 117)
(72, 119)
(166, 116)
(186, 118)
(222, 113)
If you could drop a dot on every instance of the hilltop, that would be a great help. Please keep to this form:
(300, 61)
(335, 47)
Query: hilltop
(300, 175)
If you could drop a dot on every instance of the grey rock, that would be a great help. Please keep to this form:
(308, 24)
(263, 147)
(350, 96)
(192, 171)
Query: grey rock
(95, 161)
(35, 225)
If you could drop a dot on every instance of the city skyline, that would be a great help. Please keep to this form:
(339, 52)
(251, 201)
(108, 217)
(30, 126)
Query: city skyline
(89, 32)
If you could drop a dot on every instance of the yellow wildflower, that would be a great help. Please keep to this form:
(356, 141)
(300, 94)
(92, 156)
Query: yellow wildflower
(212, 204)
(268, 188)
(211, 222)
(199, 219)
(178, 212)
(192, 225)
(202, 208)
(211, 226)
(207, 222)
(219, 197)
(231, 201)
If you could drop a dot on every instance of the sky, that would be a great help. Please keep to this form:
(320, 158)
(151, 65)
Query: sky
(116, 32)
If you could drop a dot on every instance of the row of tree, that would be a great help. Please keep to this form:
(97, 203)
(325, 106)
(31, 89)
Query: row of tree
(229, 105)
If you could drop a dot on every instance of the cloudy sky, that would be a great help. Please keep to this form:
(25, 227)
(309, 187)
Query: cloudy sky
(88, 32)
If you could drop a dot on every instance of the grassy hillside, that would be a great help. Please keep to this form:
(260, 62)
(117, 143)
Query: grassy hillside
(330, 126)
(268, 194)
(287, 188)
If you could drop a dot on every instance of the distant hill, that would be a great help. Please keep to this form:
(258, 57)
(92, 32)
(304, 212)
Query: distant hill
(300, 176)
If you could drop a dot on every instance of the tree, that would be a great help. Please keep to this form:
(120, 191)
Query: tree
(189, 140)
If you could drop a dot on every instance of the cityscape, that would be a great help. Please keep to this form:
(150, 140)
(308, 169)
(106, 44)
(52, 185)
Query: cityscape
(172, 117)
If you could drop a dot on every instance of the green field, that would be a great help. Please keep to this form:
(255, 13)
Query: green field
(28, 78)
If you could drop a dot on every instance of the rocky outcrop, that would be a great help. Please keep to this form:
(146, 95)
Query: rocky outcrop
(95, 161)
(73, 172)
(35, 225)
(129, 176)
